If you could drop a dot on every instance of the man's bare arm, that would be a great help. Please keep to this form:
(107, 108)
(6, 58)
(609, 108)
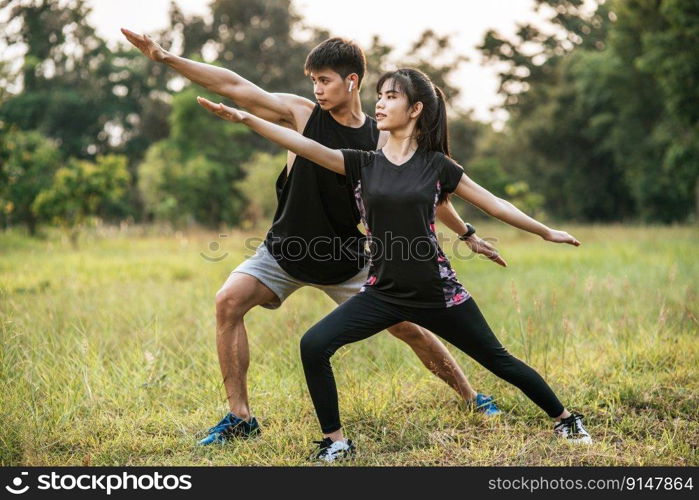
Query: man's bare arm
(285, 109)
(451, 218)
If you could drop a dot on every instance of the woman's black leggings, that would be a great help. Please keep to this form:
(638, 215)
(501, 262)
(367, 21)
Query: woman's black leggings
(365, 315)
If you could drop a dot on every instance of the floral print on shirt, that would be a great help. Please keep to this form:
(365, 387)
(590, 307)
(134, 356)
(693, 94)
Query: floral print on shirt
(454, 292)
(362, 214)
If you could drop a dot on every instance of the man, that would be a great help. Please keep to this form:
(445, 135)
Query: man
(314, 237)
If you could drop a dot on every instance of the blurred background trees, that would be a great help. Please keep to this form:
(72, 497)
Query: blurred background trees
(596, 125)
(603, 113)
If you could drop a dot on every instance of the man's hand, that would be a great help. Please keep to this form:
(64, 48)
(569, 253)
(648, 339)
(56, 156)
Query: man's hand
(478, 245)
(145, 44)
(225, 112)
(561, 237)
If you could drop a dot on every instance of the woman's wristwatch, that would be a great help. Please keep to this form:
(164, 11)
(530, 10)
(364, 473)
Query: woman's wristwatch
(470, 231)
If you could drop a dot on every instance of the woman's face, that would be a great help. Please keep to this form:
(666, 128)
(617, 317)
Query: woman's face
(392, 109)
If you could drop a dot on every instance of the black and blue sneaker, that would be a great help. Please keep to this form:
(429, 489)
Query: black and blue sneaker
(231, 427)
(486, 405)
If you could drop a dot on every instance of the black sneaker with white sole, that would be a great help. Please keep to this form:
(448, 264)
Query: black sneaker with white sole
(330, 451)
(571, 429)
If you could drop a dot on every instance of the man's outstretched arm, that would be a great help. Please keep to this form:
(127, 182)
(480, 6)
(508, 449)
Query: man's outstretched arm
(284, 109)
(450, 217)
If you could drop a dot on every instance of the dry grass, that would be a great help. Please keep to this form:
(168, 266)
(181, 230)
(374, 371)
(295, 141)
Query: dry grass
(108, 356)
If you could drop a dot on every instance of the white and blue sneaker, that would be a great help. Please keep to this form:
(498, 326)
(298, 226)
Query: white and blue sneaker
(330, 451)
(571, 429)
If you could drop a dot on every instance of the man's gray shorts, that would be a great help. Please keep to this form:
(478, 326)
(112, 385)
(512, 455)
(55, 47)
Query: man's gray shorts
(265, 268)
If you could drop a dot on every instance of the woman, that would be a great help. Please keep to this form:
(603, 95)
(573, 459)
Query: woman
(397, 190)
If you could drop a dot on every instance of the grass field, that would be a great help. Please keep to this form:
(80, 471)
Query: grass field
(108, 355)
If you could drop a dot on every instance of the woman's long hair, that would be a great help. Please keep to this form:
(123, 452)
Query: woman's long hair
(431, 130)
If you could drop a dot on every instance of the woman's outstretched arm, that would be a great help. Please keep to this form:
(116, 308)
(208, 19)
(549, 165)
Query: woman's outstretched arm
(332, 159)
(507, 212)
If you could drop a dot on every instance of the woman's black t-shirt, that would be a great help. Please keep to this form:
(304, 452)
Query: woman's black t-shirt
(397, 204)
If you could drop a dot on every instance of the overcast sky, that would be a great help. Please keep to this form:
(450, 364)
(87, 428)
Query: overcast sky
(399, 23)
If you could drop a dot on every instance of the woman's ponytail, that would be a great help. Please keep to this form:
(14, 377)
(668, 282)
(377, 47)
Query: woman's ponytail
(440, 133)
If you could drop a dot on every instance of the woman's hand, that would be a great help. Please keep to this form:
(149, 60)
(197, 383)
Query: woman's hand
(225, 112)
(556, 236)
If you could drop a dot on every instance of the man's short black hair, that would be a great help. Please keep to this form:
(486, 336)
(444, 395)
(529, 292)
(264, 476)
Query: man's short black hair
(338, 54)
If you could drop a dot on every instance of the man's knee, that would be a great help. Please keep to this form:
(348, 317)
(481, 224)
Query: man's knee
(232, 302)
(410, 333)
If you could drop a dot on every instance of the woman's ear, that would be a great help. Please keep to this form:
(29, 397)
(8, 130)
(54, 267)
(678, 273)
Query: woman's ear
(416, 109)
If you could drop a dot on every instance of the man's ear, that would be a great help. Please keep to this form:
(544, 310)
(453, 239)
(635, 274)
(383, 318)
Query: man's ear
(352, 81)
(416, 109)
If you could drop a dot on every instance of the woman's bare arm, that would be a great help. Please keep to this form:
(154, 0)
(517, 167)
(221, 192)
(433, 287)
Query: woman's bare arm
(507, 212)
(332, 159)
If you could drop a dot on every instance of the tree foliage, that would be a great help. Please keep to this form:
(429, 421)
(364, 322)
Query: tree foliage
(27, 163)
(602, 99)
(82, 191)
(595, 107)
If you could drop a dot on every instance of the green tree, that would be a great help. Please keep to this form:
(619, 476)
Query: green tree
(546, 140)
(258, 188)
(71, 88)
(83, 191)
(605, 108)
(192, 175)
(256, 38)
(657, 102)
(377, 56)
(430, 53)
(28, 162)
(158, 183)
(66, 92)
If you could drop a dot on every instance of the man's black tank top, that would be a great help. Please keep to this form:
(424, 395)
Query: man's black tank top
(314, 236)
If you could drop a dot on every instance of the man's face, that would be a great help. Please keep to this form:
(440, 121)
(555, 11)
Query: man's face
(330, 89)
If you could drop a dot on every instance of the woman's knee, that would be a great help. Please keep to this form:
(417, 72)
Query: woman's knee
(504, 365)
(313, 346)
